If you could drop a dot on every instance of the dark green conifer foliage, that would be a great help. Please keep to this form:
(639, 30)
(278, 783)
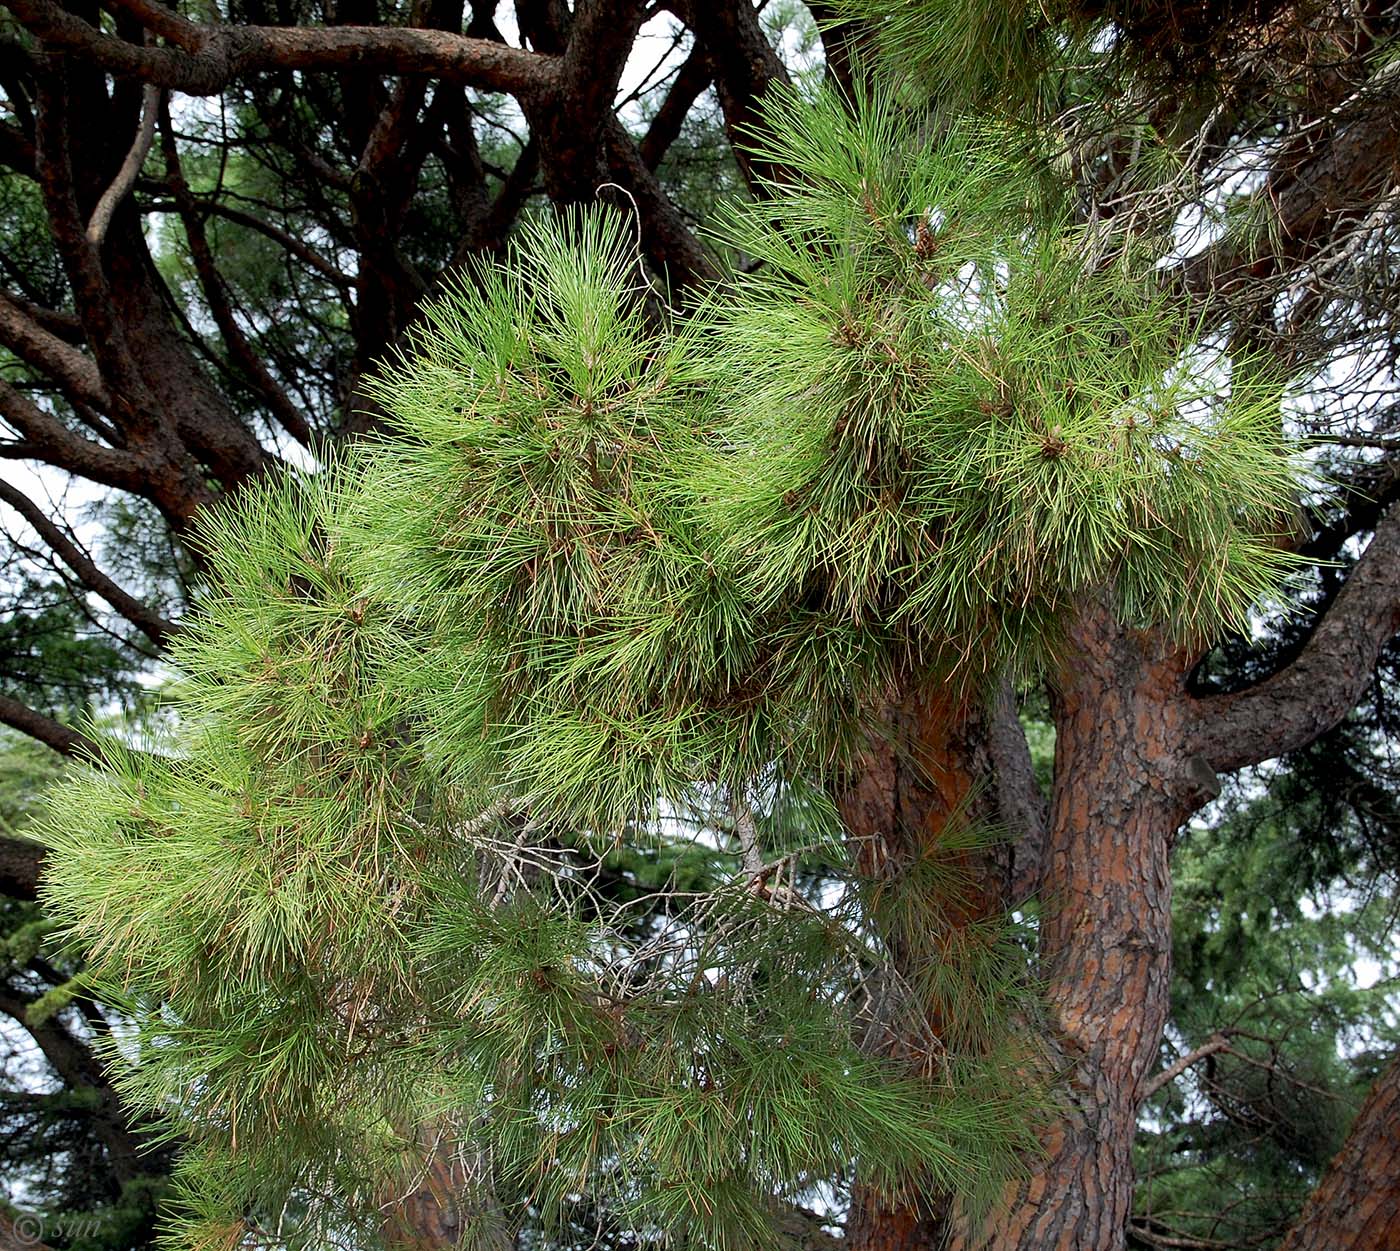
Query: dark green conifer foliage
(610, 580)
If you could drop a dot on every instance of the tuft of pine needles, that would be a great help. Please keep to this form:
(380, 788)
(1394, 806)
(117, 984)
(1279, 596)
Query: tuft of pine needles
(495, 816)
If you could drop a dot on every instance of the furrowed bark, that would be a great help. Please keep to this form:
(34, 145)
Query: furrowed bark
(1126, 778)
(745, 69)
(1356, 1206)
(1123, 784)
(216, 55)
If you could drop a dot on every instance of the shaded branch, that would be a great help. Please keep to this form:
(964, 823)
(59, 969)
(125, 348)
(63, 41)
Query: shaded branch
(53, 442)
(73, 373)
(216, 296)
(571, 121)
(130, 167)
(745, 69)
(1169, 1074)
(74, 1060)
(689, 84)
(847, 41)
(670, 244)
(20, 862)
(309, 256)
(63, 739)
(211, 56)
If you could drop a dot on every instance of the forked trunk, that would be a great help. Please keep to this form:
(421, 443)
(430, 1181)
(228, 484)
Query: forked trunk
(1124, 782)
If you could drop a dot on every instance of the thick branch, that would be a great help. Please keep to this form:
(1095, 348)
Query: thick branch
(1296, 705)
(1357, 162)
(1368, 489)
(690, 82)
(745, 69)
(63, 739)
(93, 297)
(847, 41)
(73, 373)
(20, 861)
(56, 444)
(1356, 1207)
(571, 122)
(75, 1061)
(216, 55)
(1020, 804)
(216, 296)
(670, 244)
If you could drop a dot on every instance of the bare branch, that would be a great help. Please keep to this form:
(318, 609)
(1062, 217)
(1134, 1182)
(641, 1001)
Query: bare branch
(130, 167)
(690, 82)
(1296, 705)
(56, 444)
(20, 861)
(62, 738)
(154, 626)
(1169, 1074)
(72, 372)
(213, 208)
(213, 56)
(216, 295)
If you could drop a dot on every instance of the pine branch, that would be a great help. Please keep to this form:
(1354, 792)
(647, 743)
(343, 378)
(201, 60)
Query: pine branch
(1193, 1057)
(212, 56)
(49, 439)
(72, 372)
(63, 739)
(1316, 691)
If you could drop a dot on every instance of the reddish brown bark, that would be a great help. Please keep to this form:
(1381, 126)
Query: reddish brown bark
(930, 775)
(1357, 1205)
(1125, 779)
(1320, 686)
(211, 56)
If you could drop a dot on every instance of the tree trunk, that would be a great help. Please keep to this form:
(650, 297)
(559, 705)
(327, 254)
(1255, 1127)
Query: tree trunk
(1125, 780)
(449, 1202)
(1356, 1206)
(934, 772)
(1124, 783)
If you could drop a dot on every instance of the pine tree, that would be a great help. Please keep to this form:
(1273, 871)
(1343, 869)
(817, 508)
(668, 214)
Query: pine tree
(509, 855)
